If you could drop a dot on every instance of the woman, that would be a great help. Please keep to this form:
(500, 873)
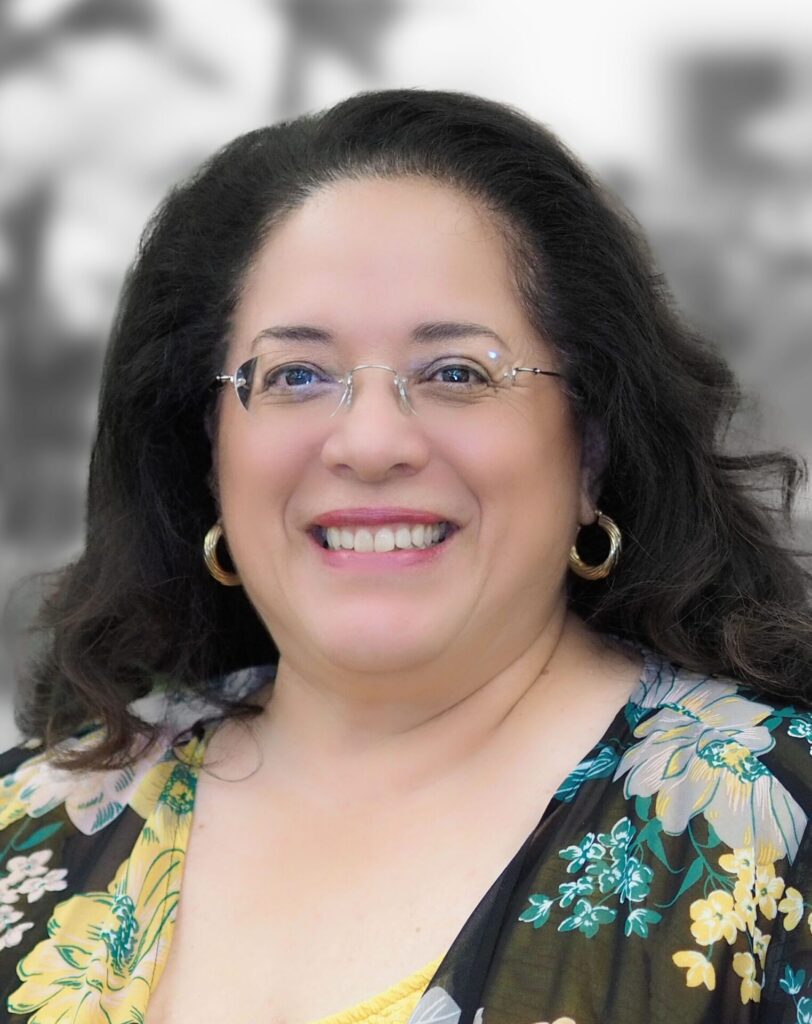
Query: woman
(381, 381)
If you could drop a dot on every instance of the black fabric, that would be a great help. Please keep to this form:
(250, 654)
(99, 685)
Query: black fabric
(645, 893)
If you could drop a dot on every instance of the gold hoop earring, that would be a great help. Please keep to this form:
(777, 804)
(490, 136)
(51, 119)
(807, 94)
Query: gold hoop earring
(210, 542)
(599, 572)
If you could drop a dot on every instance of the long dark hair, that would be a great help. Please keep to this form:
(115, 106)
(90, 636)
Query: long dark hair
(704, 579)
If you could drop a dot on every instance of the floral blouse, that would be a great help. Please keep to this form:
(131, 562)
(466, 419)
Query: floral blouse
(669, 879)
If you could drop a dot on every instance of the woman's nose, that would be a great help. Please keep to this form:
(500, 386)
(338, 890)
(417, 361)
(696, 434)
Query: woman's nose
(374, 432)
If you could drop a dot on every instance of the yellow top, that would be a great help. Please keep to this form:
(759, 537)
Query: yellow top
(394, 1006)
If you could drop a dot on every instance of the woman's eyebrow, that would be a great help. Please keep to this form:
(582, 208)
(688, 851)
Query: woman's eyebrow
(449, 330)
(431, 331)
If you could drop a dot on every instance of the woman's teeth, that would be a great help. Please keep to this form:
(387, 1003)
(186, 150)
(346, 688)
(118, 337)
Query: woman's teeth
(385, 538)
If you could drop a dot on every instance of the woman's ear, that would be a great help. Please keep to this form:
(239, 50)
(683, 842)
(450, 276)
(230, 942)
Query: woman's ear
(213, 485)
(594, 460)
(212, 478)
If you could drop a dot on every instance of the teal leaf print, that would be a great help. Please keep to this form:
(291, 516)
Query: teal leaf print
(655, 844)
(619, 838)
(650, 836)
(692, 875)
(610, 866)
(538, 911)
(628, 878)
(106, 814)
(793, 981)
(39, 836)
(638, 921)
(777, 716)
(635, 881)
(607, 875)
(570, 890)
(601, 766)
(801, 725)
(635, 713)
(587, 919)
(587, 850)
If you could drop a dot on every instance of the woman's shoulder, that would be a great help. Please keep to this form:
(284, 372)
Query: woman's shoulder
(724, 711)
(33, 784)
(683, 851)
(714, 745)
(87, 856)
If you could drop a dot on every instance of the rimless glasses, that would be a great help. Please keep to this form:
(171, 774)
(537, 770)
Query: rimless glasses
(272, 388)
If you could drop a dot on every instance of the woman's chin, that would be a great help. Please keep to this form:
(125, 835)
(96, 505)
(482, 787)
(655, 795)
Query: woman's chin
(379, 646)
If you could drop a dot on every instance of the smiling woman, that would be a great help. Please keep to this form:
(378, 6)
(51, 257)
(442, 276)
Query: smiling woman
(426, 639)
(383, 257)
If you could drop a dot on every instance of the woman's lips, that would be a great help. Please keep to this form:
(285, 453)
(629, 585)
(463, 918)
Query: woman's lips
(375, 517)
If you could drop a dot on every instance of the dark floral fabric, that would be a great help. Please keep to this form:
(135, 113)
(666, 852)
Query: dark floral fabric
(669, 879)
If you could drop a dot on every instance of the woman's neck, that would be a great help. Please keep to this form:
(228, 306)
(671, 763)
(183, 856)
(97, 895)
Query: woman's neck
(329, 748)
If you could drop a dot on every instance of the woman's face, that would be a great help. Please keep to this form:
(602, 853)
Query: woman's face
(369, 263)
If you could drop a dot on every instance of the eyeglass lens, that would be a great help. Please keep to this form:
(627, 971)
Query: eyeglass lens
(268, 384)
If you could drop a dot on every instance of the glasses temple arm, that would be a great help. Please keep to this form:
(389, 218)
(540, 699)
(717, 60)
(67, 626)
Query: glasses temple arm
(534, 369)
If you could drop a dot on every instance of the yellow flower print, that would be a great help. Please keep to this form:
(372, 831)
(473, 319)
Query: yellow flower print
(746, 907)
(760, 944)
(793, 906)
(714, 918)
(768, 889)
(146, 794)
(745, 966)
(741, 863)
(106, 950)
(700, 969)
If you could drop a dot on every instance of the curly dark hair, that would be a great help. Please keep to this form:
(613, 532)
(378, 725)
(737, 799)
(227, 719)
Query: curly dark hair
(706, 577)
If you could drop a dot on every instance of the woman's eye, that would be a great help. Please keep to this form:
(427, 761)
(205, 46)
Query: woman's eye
(460, 374)
(291, 376)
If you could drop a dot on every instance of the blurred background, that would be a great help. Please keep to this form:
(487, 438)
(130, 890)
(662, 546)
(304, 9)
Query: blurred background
(698, 115)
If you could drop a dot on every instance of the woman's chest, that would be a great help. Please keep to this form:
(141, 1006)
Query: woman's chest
(293, 920)
(291, 911)
(295, 948)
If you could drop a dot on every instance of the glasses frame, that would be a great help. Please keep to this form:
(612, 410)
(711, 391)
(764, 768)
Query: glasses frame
(400, 381)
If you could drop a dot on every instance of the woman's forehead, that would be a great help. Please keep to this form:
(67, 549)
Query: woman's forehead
(383, 258)
(410, 229)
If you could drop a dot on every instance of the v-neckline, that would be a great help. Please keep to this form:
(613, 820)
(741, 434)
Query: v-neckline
(473, 964)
